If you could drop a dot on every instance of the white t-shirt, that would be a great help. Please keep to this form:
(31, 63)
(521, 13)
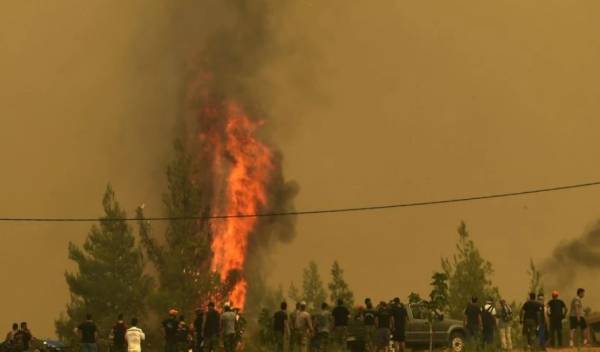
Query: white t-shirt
(228, 321)
(134, 337)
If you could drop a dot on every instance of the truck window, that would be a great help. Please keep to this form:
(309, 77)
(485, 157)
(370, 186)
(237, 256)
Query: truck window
(419, 312)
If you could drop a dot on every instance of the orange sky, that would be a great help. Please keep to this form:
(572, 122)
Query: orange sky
(373, 102)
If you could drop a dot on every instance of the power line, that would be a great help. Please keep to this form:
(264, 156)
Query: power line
(317, 211)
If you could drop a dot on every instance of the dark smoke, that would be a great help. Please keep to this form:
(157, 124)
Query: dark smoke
(572, 260)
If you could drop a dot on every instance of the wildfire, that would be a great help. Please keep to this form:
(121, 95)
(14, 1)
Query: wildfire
(242, 166)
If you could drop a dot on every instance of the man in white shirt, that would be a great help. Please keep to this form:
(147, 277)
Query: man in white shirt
(134, 337)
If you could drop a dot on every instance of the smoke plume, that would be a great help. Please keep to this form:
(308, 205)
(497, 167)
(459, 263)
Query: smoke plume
(572, 261)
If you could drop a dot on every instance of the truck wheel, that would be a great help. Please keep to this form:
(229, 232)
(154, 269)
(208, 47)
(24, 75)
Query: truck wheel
(457, 342)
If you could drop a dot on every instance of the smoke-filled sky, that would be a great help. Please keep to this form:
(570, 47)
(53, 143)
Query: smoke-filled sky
(371, 102)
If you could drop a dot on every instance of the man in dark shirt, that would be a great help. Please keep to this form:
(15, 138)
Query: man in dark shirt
(368, 317)
(88, 333)
(400, 315)
(341, 315)
(198, 327)
(557, 311)
(212, 328)
(473, 322)
(385, 324)
(281, 326)
(118, 335)
(531, 312)
(170, 326)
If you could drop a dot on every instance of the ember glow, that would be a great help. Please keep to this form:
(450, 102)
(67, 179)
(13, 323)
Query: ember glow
(242, 166)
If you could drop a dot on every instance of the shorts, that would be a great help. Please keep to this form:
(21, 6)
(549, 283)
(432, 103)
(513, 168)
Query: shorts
(574, 324)
(383, 337)
(399, 335)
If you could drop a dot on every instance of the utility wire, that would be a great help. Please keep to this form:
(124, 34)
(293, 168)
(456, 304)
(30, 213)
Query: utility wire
(317, 211)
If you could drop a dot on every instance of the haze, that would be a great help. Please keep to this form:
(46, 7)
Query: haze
(378, 102)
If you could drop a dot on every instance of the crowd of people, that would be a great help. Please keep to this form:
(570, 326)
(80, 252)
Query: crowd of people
(369, 329)
(541, 321)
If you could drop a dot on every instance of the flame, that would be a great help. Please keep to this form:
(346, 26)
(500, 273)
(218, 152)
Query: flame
(242, 165)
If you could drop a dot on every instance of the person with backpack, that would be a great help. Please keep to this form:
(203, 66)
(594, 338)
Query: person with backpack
(88, 332)
(118, 335)
(557, 311)
(281, 327)
(505, 317)
(134, 337)
(488, 323)
(323, 322)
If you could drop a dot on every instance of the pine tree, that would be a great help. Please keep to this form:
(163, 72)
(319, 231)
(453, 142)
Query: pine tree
(182, 259)
(110, 278)
(293, 293)
(535, 279)
(312, 286)
(338, 288)
(438, 298)
(469, 275)
(414, 298)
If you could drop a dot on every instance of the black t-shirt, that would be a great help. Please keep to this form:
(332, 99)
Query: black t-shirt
(532, 310)
(279, 319)
(473, 312)
(88, 331)
(170, 325)
(119, 330)
(384, 317)
(556, 309)
(198, 324)
(212, 323)
(340, 316)
(369, 316)
(400, 314)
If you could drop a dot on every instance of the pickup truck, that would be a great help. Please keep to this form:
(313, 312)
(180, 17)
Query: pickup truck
(424, 327)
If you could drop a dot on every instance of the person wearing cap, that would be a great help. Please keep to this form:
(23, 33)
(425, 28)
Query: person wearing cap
(304, 327)
(557, 311)
(170, 326)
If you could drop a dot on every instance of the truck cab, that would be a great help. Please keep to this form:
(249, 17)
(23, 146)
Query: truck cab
(425, 327)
